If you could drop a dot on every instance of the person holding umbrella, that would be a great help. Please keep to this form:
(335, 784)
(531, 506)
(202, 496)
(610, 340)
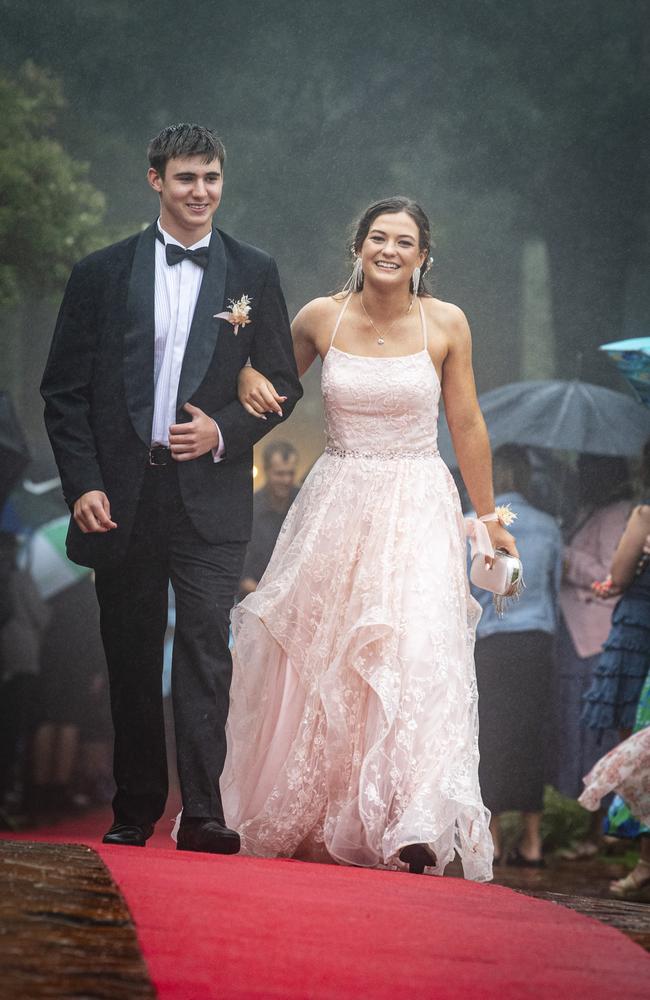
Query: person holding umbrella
(603, 507)
(514, 665)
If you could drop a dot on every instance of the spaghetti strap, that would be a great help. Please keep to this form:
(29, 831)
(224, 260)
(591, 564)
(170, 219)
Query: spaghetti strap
(423, 320)
(340, 317)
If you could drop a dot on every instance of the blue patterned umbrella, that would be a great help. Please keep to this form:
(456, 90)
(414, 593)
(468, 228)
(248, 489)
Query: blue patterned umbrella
(632, 358)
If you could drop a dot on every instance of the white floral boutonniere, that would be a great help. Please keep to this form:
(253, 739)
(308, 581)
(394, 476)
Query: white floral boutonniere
(238, 314)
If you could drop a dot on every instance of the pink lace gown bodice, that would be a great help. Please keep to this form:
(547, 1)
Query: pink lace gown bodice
(353, 726)
(383, 406)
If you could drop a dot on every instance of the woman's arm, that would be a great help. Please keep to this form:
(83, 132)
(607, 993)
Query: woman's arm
(256, 393)
(467, 426)
(303, 331)
(631, 547)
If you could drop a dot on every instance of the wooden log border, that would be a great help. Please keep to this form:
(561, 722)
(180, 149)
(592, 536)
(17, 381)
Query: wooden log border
(65, 928)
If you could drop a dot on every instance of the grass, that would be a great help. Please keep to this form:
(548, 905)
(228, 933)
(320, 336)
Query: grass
(564, 821)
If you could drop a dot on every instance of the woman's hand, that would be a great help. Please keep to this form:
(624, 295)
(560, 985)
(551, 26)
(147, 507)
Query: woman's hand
(257, 395)
(501, 538)
(605, 588)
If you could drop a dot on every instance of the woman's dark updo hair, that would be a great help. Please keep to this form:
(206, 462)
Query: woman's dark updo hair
(389, 206)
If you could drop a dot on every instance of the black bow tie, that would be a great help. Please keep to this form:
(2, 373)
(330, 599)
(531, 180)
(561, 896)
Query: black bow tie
(176, 254)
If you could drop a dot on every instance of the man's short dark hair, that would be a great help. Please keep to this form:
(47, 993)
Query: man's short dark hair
(282, 448)
(182, 140)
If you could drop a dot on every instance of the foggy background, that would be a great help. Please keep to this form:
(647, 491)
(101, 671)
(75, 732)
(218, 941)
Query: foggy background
(521, 127)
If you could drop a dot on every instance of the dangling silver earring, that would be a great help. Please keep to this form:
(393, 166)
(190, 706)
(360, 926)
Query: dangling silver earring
(355, 281)
(416, 280)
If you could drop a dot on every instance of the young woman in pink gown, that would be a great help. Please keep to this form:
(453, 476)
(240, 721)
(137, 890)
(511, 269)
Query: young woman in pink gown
(352, 733)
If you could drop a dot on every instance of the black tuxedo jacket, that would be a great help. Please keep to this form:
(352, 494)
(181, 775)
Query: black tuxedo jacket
(99, 392)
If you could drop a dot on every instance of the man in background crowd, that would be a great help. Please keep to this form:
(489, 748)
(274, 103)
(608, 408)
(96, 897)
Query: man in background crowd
(270, 507)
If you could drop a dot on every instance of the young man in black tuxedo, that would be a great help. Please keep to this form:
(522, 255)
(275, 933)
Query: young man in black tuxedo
(155, 455)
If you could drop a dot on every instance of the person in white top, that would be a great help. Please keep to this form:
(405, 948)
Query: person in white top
(155, 455)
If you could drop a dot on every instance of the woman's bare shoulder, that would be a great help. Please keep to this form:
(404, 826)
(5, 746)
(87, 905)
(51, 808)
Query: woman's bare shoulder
(320, 309)
(446, 316)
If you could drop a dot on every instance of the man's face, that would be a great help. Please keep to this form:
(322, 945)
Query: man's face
(190, 193)
(281, 476)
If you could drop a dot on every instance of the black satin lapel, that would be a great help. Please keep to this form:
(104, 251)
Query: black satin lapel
(204, 331)
(139, 336)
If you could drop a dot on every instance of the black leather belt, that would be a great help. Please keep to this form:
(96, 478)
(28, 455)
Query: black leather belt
(160, 455)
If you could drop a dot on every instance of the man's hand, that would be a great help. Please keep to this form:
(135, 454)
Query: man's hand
(196, 438)
(92, 512)
(257, 395)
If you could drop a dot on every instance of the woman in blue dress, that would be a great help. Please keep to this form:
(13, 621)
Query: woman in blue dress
(612, 699)
(625, 664)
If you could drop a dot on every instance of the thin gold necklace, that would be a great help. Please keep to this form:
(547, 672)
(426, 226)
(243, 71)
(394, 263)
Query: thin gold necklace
(381, 336)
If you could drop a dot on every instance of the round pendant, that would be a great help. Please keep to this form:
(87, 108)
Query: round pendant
(380, 340)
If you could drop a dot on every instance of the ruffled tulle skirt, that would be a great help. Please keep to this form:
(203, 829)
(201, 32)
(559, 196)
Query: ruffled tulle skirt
(611, 700)
(353, 726)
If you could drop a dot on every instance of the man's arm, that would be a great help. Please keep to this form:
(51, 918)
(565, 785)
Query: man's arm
(66, 388)
(271, 354)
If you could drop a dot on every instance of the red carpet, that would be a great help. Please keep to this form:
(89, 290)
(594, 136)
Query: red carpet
(237, 927)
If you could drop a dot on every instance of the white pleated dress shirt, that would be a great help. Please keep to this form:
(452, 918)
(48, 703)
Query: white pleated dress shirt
(177, 289)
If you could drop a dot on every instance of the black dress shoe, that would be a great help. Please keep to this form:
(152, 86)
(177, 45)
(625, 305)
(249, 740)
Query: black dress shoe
(207, 835)
(129, 834)
(417, 857)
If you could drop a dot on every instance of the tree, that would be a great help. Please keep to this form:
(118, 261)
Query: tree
(51, 215)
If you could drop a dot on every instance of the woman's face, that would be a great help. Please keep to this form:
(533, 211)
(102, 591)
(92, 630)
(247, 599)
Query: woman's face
(391, 250)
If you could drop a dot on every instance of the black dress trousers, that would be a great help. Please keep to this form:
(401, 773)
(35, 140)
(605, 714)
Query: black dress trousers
(164, 546)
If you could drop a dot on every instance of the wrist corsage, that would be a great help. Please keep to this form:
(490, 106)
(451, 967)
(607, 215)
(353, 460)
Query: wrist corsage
(503, 514)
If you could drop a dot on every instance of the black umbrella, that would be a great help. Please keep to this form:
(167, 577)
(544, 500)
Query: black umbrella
(14, 453)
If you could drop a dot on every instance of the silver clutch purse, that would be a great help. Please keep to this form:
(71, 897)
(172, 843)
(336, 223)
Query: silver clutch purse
(504, 579)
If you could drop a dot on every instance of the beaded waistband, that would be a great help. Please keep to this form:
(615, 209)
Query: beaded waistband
(391, 455)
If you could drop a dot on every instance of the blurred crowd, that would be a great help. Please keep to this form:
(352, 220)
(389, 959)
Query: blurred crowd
(55, 728)
(563, 676)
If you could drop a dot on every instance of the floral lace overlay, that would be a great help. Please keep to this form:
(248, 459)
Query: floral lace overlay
(625, 770)
(353, 726)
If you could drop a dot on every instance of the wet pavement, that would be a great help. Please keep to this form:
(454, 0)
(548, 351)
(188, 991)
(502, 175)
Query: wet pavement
(575, 878)
(583, 886)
